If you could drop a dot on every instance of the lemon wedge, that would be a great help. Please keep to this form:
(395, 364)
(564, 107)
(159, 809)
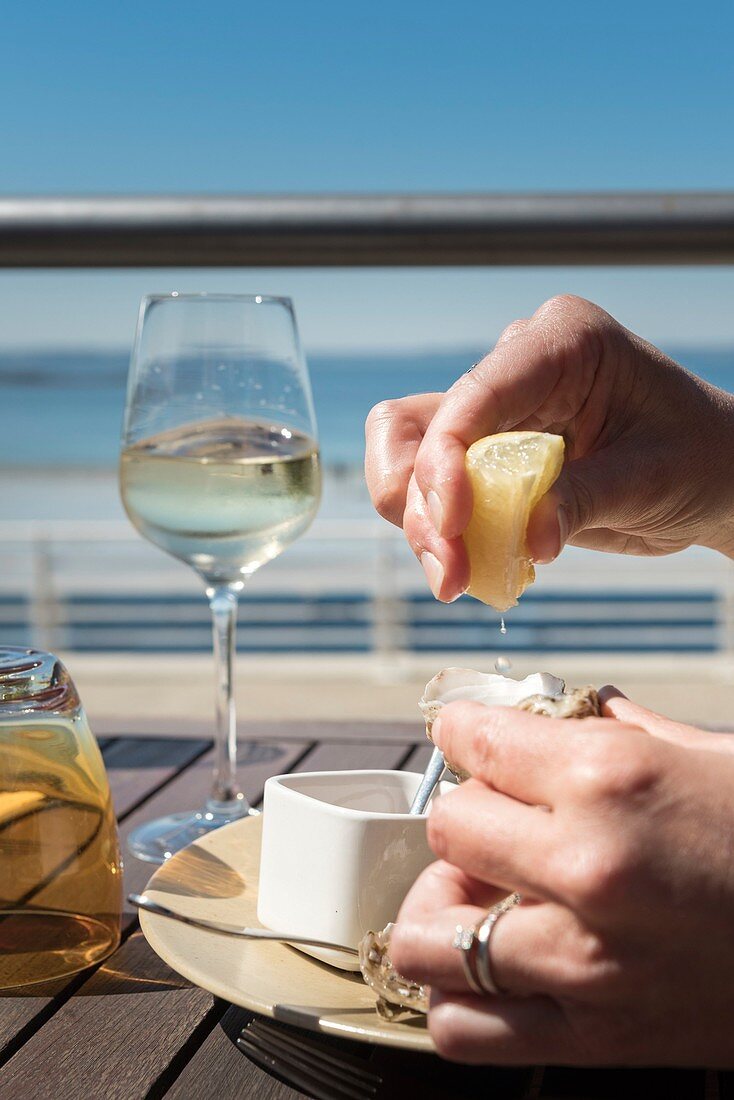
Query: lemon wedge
(509, 473)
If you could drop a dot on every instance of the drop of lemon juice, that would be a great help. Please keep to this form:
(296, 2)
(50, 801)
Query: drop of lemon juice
(503, 628)
(502, 664)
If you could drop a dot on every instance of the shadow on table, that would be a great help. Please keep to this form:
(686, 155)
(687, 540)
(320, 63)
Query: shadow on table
(134, 968)
(198, 873)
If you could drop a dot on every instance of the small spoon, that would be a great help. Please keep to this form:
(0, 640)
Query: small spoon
(142, 902)
(429, 782)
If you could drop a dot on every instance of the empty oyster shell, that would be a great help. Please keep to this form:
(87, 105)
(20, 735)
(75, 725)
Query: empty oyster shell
(395, 994)
(539, 693)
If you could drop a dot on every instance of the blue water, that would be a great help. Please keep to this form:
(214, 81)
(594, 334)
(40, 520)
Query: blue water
(64, 409)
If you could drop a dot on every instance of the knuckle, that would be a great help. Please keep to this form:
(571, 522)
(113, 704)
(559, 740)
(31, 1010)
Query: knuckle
(424, 467)
(385, 500)
(614, 769)
(591, 958)
(402, 938)
(576, 328)
(570, 307)
(415, 529)
(483, 745)
(601, 967)
(592, 950)
(585, 965)
(381, 413)
(388, 496)
(598, 874)
(474, 739)
(512, 330)
(448, 1031)
(436, 828)
(584, 502)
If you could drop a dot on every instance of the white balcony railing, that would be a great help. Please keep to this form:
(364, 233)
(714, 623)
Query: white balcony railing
(347, 586)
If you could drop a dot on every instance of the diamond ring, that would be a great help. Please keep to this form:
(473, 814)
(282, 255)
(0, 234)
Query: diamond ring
(465, 941)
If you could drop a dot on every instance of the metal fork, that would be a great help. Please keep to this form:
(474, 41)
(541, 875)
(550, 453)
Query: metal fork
(322, 1073)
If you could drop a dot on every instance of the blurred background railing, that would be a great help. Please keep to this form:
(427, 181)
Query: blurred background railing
(350, 586)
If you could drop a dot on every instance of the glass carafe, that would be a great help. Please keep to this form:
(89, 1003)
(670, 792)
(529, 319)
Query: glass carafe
(60, 870)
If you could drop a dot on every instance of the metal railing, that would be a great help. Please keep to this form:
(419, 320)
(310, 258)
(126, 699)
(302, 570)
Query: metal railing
(367, 230)
(348, 586)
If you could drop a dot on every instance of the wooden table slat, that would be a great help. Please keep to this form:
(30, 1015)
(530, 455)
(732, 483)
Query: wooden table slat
(352, 756)
(111, 1040)
(220, 1069)
(419, 757)
(136, 766)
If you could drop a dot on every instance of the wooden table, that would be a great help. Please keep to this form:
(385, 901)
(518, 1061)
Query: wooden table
(132, 1028)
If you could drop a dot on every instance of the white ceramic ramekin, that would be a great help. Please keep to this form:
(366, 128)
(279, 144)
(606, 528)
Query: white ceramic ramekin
(339, 853)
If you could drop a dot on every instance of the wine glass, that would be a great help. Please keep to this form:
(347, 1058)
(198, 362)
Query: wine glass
(220, 468)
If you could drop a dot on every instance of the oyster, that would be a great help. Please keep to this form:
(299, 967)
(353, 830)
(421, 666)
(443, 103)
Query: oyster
(539, 693)
(395, 994)
(578, 703)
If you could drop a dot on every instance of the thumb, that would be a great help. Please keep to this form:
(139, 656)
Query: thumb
(600, 492)
(616, 705)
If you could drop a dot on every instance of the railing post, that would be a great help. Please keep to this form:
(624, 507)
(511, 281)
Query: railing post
(388, 610)
(44, 611)
(725, 616)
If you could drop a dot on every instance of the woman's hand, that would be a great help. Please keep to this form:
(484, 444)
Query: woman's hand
(620, 837)
(649, 447)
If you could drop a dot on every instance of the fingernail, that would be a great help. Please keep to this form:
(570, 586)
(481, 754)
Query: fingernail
(434, 572)
(453, 599)
(435, 509)
(436, 731)
(609, 691)
(562, 528)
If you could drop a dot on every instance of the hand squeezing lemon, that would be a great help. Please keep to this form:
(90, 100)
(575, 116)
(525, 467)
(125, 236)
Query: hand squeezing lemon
(509, 473)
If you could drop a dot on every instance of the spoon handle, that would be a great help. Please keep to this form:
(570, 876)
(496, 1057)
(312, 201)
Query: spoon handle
(429, 782)
(142, 902)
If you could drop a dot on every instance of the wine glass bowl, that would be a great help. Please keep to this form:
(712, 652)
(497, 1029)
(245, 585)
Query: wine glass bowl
(220, 468)
(224, 495)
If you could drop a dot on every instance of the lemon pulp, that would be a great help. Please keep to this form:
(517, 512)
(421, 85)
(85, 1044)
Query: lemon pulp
(509, 473)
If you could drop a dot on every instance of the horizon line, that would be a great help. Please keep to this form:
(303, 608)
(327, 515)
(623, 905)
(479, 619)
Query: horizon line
(356, 351)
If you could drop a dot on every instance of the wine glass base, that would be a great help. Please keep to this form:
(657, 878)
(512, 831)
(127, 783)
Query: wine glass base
(158, 840)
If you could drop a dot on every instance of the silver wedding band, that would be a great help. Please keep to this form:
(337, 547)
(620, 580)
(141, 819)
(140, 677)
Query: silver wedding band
(484, 931)
(465, 940)
(474, 946)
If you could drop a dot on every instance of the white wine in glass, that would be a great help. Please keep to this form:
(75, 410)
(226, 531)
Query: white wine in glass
(219, 467)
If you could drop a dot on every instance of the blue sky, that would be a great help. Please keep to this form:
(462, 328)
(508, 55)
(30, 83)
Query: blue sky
(356, 97)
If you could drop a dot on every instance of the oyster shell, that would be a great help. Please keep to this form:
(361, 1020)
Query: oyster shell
(579, 703)
(395, 994)
(539, 693)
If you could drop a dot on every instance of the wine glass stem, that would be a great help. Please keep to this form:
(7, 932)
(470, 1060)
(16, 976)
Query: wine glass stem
(226, 795)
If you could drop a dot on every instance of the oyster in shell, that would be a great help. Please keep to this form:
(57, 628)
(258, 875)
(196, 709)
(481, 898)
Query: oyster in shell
(578, 703)
(539, 693)
(395, 994)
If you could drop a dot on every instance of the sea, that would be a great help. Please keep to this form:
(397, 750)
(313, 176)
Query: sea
(63, 409)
